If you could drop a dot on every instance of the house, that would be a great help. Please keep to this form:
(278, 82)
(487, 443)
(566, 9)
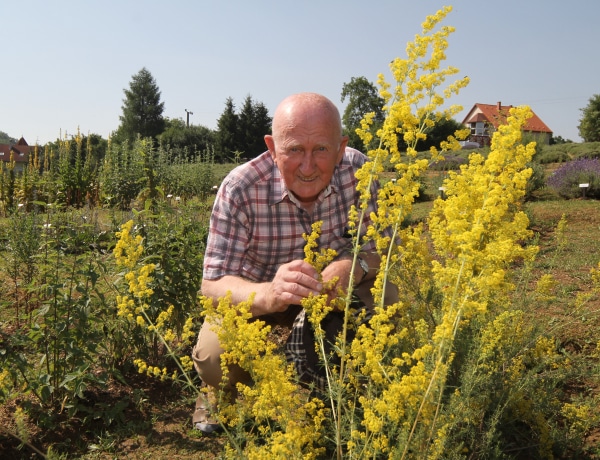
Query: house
(484, 119)
(20, 154)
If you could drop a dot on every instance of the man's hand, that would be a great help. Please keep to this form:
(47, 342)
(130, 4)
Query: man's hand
(293, 282)
(339, 269)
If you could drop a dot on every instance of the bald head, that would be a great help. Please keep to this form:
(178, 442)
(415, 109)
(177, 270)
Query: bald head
(306, 144)
(302, 109)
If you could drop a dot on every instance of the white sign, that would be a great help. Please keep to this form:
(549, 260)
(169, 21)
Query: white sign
(584, 185)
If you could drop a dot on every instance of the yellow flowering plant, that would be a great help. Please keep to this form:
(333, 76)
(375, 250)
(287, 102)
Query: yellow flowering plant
(444, 371)
(151, 324)
(273, 417)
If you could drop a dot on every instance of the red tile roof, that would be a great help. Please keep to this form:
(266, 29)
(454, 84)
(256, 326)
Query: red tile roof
(20, 151)
(496, 114)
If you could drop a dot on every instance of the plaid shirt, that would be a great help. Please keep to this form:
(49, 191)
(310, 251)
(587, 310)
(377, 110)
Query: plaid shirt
(255, 227)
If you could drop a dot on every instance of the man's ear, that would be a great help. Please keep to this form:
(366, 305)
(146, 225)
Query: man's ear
(343, 144)
(270, 145)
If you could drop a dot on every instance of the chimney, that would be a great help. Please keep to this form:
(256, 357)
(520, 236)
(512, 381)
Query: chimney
(499, 106)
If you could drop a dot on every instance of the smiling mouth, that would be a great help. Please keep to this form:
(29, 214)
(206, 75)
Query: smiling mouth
(307, 179)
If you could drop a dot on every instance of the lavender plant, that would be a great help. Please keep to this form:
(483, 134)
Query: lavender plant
(566, 179)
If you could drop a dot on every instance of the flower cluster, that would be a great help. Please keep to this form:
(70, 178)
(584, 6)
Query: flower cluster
(151, 371)
(128, 249)
(318, 306)
(5, 383)
(286, 421)
(135, 306)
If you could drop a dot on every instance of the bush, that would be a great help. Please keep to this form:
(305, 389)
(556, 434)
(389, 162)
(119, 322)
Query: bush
(583, 150)
(552, 156)
(450, 162)
(566, 179)
(537, 180)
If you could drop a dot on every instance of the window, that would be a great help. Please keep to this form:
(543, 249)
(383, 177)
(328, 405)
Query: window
(478, 128)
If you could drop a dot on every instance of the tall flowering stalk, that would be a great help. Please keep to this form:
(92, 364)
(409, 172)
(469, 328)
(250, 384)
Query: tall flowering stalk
(135, 306)
(276, 419)
(412, 107)
(394, 393)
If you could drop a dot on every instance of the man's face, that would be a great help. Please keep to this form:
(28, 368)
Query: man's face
(306, 148)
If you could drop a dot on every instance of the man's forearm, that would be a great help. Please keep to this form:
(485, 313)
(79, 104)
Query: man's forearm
(372, 259)
(241, 289)
(293, 282)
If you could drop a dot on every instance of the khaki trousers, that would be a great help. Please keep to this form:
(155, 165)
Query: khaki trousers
(207, 351)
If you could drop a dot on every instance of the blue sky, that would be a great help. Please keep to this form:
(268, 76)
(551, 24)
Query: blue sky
(67, 62)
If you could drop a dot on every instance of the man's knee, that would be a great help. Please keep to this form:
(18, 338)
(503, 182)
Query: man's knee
(207, 360)
(207, 355)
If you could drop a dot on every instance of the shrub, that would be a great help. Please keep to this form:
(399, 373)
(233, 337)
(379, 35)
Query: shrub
(536, 181)
(450, 162)
(566, 179)
(552, 156)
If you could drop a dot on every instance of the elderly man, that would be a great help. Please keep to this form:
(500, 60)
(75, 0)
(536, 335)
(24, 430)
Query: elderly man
(255, 242)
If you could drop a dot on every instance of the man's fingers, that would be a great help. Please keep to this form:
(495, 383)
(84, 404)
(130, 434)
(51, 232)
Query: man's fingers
(302, 273)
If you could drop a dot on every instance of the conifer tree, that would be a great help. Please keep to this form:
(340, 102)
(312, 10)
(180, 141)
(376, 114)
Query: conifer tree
(227, 129)
(142, 109)
(254, 123)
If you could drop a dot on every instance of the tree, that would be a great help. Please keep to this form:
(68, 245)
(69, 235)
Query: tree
(243, 133)
(261, 126)
(6, 139)
(254, 123)
(559, 140)
(227, 127)
(438, 133)
(142, 109)
(589, 124)
(363, 98)
(188, 141)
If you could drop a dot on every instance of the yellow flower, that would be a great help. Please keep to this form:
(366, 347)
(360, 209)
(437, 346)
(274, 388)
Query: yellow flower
(128, 249)
(545, 287)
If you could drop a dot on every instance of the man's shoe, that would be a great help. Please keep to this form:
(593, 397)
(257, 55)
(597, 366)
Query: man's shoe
(204, 419)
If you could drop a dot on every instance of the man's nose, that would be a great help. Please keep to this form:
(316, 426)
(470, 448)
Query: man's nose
(308, 163)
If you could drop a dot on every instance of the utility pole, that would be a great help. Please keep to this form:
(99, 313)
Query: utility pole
(188, 117)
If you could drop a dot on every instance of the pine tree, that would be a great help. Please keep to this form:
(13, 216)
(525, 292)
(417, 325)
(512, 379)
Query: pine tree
(261, 125)
(227, 129)
(254, 123)
(142, 109)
